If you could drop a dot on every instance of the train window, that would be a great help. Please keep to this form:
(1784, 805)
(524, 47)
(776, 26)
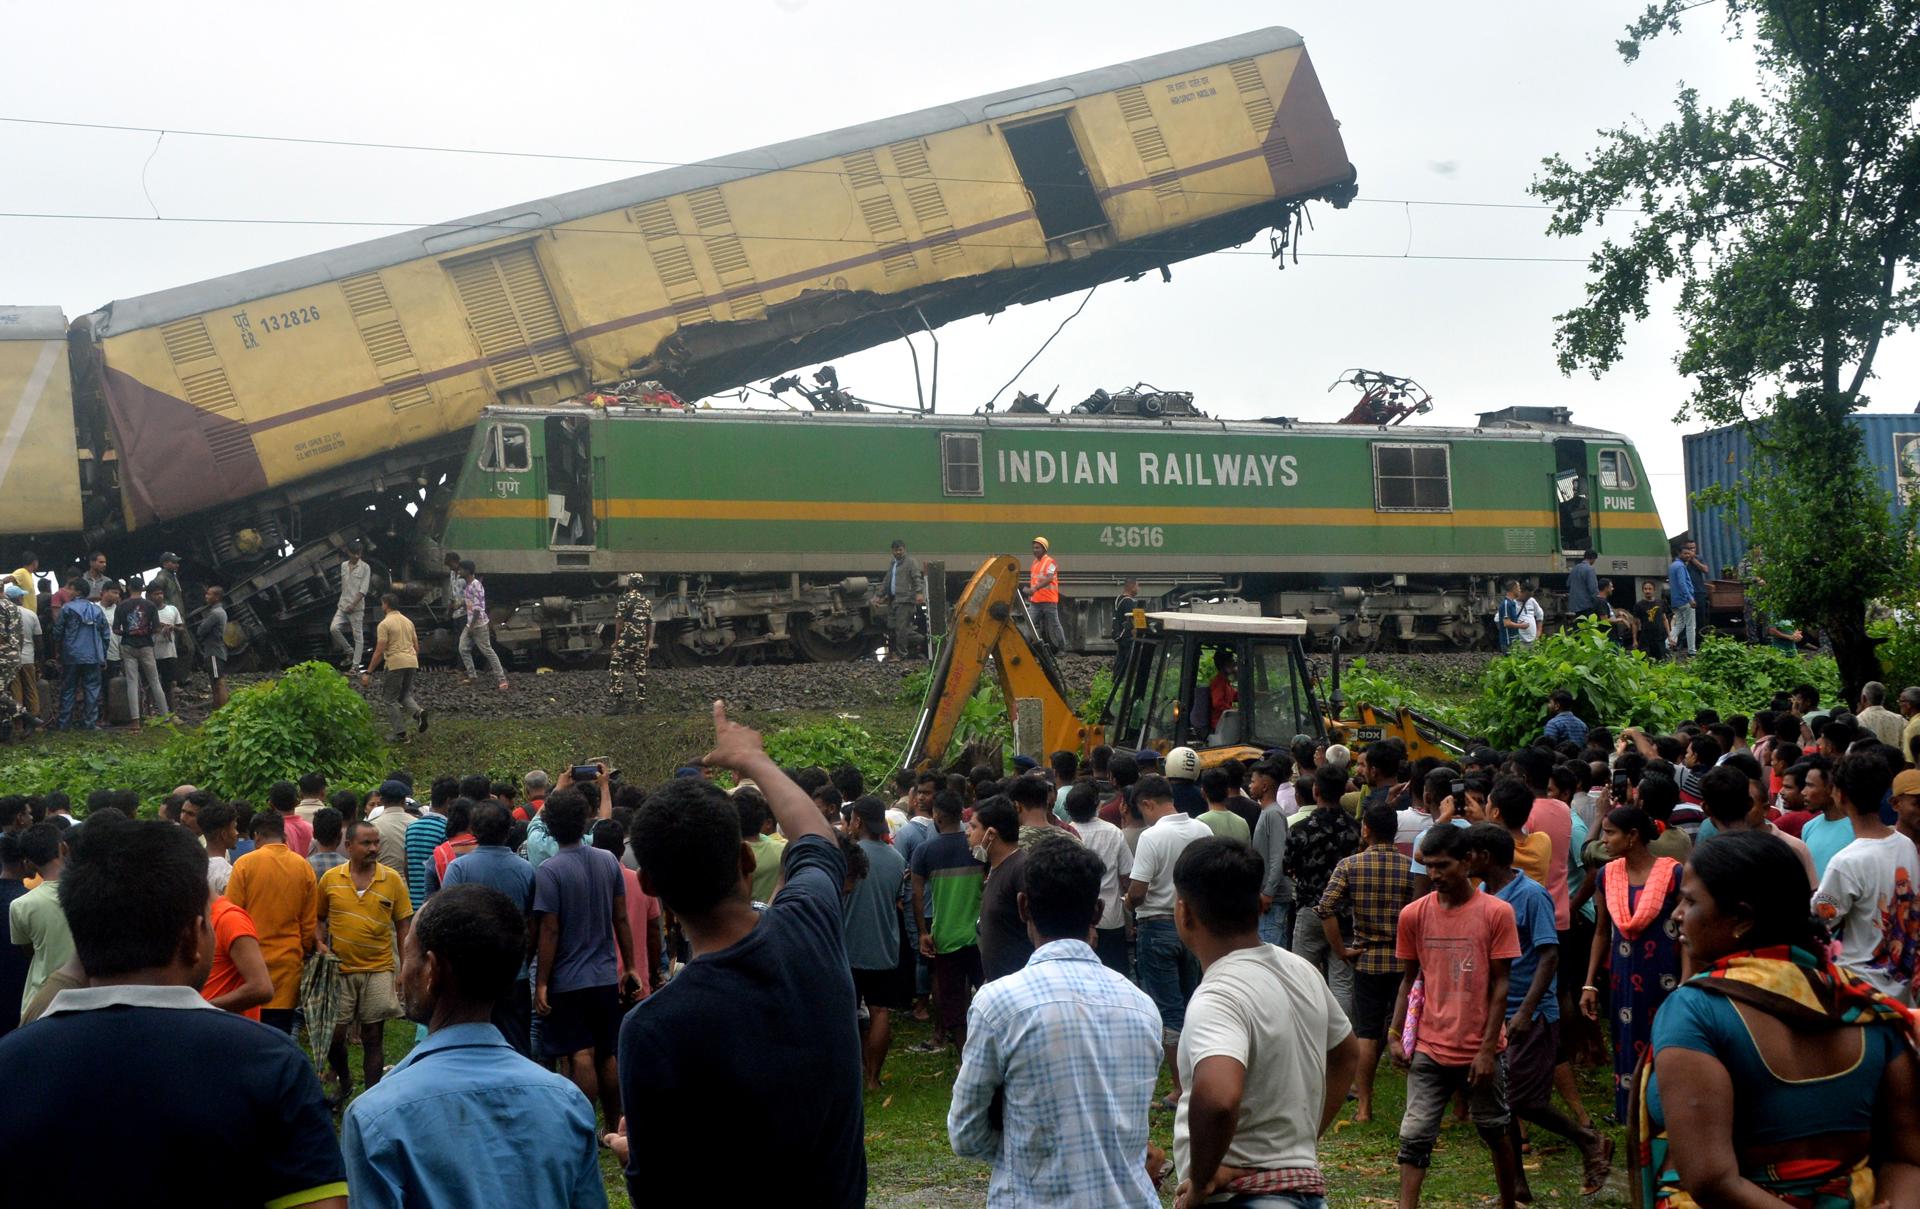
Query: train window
(960, 463)
(1616, 470)
(507, 449)
(1412, 478)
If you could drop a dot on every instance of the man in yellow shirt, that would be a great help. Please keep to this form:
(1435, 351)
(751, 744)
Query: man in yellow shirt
(364, 909)
(275, 887)
(24, 576)
(398, 646)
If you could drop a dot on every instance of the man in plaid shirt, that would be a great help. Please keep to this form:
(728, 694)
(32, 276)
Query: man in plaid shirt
(1362, 901)
(1061, 1058)
(1314, 846)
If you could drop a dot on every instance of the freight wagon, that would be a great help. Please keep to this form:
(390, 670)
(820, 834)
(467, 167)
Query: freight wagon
(764, 532)
(1724, 457)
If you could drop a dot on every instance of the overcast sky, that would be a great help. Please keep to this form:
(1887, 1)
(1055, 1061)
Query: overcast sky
(1451, 102)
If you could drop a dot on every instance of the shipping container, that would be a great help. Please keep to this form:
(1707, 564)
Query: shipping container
(1890, 442)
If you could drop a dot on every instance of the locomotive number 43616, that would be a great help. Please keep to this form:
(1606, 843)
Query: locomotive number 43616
(1148, 536)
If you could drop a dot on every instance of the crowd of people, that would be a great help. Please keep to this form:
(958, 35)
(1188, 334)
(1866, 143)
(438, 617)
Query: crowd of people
(680, 973)
(88, 650)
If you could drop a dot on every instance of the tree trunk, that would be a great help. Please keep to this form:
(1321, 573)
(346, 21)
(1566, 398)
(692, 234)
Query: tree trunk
(1855, 651)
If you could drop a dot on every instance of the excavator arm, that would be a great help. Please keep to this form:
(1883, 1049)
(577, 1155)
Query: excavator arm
(1042, 716)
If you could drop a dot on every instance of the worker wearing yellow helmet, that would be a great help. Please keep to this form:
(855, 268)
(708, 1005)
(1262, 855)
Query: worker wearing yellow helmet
(1043, 593)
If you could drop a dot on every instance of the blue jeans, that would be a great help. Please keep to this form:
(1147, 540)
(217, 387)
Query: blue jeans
(1277, 1200)
(1686, 626)
(1276, 926)
(79, 685)
(1168, 974)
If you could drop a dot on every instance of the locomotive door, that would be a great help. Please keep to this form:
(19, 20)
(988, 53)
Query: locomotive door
(1572, 502)
(569, 482)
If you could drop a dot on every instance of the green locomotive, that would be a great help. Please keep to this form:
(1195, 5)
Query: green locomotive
(765, 532)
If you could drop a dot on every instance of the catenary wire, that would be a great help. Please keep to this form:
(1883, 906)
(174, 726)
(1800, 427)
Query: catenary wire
(757, 169)
(871, 243)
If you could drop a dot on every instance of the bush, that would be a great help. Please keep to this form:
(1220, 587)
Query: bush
(1610, 685)
(840, 741)
(1742, 678)
(1899, 638)
(307, 720)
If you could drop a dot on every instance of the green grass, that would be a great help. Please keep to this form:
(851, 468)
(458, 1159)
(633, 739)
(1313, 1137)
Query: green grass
(910, 1165)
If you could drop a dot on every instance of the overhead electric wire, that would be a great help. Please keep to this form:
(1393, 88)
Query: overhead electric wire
(559, 230)
(756, 169)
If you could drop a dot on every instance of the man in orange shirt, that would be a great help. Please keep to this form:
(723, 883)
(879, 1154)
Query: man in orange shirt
(278, 891)
(1222, 691)
(238, 981)
(1043, 593)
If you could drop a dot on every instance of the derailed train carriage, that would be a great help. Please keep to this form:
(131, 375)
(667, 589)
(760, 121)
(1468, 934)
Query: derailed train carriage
(258, 421)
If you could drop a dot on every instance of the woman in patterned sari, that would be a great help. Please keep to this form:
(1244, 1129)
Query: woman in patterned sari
(1636, 936)
(1777, 1078)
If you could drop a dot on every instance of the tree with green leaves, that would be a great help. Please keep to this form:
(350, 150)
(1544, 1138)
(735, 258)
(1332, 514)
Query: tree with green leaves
(1789, 221)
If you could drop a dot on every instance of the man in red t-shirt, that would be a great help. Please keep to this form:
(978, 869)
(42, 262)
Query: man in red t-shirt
(1222, 693)
(538, 784)
(1463, 941)
(283, 797)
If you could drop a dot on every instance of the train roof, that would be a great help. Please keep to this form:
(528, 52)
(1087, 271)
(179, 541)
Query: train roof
(1525, 431)
(32, 323)
(163, 306)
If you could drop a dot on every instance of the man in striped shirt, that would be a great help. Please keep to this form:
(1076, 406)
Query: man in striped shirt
(428, 832)
(478, 636)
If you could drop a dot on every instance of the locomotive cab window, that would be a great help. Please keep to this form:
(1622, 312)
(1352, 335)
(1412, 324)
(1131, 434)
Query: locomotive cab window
(960, 463)
(507, 449)
(1412, 478)
(1616, 470)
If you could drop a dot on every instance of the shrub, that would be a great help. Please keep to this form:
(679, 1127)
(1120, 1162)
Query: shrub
(1744, 678)
(1609, 683)
(307, 720)
(840, 741)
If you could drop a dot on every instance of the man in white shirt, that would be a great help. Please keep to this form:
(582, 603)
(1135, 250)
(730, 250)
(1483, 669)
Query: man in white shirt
(168, 625)
(1107, 842)
(1267, 1054)
(349, 628)
(1866, 894)
(1168, 971)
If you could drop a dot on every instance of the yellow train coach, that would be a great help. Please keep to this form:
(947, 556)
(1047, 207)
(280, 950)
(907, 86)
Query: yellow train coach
(705, 276)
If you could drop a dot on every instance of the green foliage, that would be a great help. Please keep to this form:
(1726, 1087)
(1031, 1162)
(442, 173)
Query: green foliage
(834, 742)
(1744, 678)
(307, 720)
(1791, 223)
(1899, 638)
(1098, 694)
(1610, 685)
(143, 768)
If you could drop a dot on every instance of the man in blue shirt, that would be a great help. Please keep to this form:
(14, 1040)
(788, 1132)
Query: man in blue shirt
(1068, 1049)
(1563, 725)
(1533, 1007)
(1682, 599)
(492, 863)
(462, 1119)
(755, 1037)
(80, 636)
(1583, 587)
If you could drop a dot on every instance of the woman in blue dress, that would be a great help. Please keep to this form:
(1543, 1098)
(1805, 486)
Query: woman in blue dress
(1637, 938)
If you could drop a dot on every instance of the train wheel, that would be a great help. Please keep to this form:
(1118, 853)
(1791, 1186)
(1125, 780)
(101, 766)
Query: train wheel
(819, 648)
(692, 653)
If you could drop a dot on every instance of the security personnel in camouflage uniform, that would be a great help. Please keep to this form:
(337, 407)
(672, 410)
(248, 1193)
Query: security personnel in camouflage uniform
(12, 638)
(632, 634)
